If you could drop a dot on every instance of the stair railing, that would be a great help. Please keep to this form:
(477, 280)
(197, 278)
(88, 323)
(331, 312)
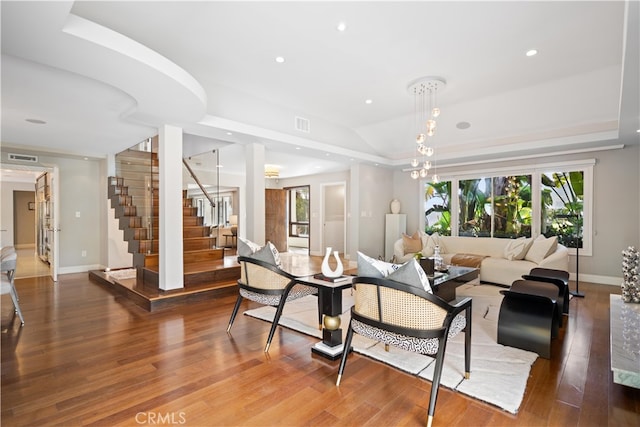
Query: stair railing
(198, 183)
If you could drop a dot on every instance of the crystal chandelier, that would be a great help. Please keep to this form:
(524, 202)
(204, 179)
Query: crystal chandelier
(425, 91)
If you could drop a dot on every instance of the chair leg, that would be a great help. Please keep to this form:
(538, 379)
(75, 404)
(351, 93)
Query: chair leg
(234, 312)
(14, 297)
(435, 384)
(345, 353)
(467, 344)
(276, 319)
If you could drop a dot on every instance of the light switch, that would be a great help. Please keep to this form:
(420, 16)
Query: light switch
(77, 214)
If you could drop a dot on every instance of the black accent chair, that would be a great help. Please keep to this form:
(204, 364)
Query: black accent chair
(267, 284)
(529, 316)
(408, 318)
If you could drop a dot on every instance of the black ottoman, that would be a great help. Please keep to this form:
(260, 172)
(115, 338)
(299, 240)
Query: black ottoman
(529, 316)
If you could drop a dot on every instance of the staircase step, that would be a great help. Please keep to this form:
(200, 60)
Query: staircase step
(195, 231)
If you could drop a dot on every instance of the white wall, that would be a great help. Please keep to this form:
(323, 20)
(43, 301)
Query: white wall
(6, 210)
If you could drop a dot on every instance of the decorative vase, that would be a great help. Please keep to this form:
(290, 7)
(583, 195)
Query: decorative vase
(395, 206)
(326, 270)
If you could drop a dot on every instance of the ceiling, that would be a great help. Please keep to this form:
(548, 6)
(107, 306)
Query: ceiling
(106, 75)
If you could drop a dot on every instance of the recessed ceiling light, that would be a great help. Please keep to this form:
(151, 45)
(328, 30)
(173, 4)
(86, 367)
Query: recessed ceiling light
(531, 52)
(368, 101)
(279, 59)
(297, 148)
(36, 121)
(463, 125)
(229, 133)
(638, 131)
(341, 26)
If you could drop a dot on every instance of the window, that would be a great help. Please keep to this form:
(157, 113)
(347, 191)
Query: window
(437, 214)
(562, 207)
(215, 215)
(549, 199)
(299, 212)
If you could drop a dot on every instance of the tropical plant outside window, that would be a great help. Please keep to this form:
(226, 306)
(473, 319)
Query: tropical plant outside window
(552, 200)
(437, 213)
(562, 209)
(299, 212)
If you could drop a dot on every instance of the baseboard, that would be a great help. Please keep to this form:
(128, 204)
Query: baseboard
(79, 269)
(594, 278)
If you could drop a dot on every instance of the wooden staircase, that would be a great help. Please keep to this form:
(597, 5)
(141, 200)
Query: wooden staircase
(203, 262)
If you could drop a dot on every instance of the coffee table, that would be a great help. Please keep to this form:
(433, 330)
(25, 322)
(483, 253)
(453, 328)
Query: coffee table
(330, 304)
(444, 285)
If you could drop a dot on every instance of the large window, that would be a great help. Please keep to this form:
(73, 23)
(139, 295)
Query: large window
(215, 215)
(553, 200)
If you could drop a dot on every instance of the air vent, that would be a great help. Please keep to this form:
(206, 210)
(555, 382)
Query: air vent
(302, 124)
(23, 158)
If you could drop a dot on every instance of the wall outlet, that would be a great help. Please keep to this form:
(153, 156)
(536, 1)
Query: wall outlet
(77, 214)
(84, 253)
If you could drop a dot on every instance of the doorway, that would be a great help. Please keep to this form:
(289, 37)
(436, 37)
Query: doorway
(17, 179)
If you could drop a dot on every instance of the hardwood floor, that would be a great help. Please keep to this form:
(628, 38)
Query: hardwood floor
(88, 357)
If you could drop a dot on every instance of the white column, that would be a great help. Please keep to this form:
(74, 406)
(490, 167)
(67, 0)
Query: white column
(170, 200)
(255, 207)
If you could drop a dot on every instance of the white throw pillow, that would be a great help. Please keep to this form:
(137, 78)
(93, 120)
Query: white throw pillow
(370, 267)
(434, 240)
(246, 247)
(541, 248)
(410, 273)
(517, 249)
(267, 253)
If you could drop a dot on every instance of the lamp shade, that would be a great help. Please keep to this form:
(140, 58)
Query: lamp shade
(233, 220)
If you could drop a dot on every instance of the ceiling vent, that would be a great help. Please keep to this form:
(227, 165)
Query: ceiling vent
(23, 158)
(302, 124)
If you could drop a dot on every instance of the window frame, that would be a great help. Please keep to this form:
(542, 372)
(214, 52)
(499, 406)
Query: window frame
(536, 170)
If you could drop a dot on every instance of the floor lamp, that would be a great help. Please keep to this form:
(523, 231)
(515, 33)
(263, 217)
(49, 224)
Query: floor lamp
(576, 235)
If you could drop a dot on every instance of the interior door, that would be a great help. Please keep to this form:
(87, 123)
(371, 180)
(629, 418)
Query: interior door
(275, 222)
(334, 213)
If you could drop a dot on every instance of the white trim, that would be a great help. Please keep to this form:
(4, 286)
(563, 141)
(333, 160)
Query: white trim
(80, 268)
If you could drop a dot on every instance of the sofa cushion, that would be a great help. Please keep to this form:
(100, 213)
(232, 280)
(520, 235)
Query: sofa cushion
(517, 249)
(411, 244)
(410, 273)
(541, 248)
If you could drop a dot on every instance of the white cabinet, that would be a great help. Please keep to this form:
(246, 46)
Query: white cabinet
(395, 225)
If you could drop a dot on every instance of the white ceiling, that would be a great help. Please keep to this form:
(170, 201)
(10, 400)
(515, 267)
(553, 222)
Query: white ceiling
(105, 75)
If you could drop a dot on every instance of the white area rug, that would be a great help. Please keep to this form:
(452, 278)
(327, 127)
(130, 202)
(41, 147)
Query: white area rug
(499, 373)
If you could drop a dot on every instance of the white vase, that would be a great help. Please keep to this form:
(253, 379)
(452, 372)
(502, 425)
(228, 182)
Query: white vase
(395, 206)
(326, 270)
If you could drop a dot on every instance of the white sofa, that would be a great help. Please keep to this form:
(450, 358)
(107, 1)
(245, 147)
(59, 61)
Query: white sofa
(525, 254)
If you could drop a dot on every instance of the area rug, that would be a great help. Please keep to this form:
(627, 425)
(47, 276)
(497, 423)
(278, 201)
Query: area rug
(499, 373)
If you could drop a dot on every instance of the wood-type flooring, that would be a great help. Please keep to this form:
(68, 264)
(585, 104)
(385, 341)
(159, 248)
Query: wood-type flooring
(89, 357)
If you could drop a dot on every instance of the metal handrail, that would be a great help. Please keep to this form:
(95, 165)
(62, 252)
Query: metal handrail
(195, 178)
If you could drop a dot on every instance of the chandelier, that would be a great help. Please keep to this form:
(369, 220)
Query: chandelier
(271, 171)
(425, 91)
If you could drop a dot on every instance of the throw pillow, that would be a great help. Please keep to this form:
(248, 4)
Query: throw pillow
(247, 247)
(410, 273)
(411, 244)
(370, 267)
(434, 240)
(517, 249)
(268, 253)
(541, 248)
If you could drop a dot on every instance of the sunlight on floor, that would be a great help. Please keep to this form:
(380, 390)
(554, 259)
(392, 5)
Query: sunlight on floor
(30, 265)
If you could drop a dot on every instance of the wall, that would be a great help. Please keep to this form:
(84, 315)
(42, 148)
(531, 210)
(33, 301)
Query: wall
(25, 219)
(6, 209)
(616, 208)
